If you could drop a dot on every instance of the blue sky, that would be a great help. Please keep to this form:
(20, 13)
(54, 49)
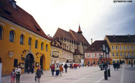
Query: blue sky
(97, 18)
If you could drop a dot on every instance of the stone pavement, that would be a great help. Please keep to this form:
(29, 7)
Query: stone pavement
(126, 74)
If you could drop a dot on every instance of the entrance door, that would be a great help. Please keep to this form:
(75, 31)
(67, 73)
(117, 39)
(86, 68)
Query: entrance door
(41, 62)
(28, 62)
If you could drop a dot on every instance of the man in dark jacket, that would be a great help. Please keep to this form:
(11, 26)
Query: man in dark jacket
(38, 73)
(66, 66)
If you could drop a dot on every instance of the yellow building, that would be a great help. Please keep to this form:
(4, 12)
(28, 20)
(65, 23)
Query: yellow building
(122, 47)
(22, 41)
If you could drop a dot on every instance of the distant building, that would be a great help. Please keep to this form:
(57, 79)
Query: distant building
(74, 41)
(94, 53)
(122, 47)
(59, 52)
(22, 41)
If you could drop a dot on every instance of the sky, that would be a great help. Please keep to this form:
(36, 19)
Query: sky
(96, 18)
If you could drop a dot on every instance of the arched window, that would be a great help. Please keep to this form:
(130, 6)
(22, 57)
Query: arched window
(42, 46)
(1, 32)
(22, 39)
(11, 36)
(29, 41)
(46, 47)
(36, 44)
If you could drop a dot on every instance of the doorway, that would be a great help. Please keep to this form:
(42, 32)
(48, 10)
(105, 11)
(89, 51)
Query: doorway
(28, 62)
(42, 61)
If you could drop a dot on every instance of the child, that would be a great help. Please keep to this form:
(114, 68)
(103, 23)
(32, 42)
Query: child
(61, 70)
(13, 76)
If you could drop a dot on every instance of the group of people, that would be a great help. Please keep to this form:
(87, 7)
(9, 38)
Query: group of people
(116, 66)
(58, 68)
(16, 73)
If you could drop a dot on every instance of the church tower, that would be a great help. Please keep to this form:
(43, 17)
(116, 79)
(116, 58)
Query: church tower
(79, 30)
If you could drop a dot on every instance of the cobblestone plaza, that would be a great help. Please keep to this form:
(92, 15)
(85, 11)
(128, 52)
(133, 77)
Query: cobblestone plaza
(86, 74)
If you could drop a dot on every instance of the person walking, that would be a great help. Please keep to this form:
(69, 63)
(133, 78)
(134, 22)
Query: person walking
(117, 66)
(28, 70)
(131, 64)
(114, 66)
(57, 69)
(32, 69)
(66, 66)
(52, 69)
(61, 70)
(13, 75)
(18, 74)
(38, 73)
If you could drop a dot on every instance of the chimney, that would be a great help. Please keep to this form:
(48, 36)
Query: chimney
(91, 40)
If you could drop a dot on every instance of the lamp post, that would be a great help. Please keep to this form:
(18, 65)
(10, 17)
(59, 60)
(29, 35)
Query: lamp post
(105, 65)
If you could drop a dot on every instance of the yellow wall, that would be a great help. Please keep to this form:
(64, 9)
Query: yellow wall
(17, 48)
(121, 50)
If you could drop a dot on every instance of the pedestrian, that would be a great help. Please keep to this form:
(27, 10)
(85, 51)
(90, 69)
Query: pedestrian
(79, 65)
(32, 69)
(38, 73)
(28, 70)
(61, 70)
(65, 66)
(57, 69)
(117, 65)
(13, 75)
(131, 64)
(18, 74)
(114, 66)
(52, 69)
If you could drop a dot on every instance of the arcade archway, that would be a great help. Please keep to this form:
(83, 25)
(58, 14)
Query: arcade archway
(28, 62)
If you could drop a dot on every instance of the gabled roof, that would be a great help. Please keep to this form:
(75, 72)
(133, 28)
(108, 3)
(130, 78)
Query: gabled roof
(121, 38)
(64, 34)
(20, 17)
(71, 35)
(97, 46)
(78, 37)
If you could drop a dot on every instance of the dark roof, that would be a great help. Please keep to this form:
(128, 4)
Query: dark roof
(97, 46)
(64, 34)
(71, 35)
(78, 37)
(20, 17)
(121, 38)
(77, 52)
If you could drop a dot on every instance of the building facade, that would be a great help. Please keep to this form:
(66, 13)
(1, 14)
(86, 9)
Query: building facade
(22, 41)
(72, 41)
(94, 53)
(60, 54)
(122, 47)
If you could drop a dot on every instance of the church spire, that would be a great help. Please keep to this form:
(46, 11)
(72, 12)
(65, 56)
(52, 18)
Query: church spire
(79, 30)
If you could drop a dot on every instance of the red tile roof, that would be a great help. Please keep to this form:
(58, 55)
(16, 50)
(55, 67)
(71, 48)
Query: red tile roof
(97, 46)
(20, 17)
(121, 38)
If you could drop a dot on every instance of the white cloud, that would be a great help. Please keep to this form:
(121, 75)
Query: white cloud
(90, 14)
